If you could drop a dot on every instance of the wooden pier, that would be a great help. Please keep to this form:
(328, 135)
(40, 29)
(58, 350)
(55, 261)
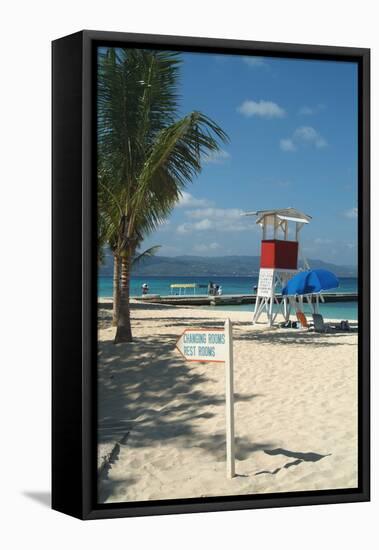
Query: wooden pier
(232, 299)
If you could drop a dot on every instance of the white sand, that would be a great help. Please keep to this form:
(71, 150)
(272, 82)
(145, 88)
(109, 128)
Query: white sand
(296, 409)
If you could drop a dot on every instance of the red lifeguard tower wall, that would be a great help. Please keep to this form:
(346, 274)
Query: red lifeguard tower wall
(279, 254)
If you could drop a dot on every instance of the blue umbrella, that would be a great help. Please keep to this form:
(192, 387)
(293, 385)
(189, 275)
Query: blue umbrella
(309, 282)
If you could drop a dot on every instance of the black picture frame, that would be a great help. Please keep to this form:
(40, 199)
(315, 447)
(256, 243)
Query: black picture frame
(74, 275)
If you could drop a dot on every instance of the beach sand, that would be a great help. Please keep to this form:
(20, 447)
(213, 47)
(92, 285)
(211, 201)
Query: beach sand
(162, 420)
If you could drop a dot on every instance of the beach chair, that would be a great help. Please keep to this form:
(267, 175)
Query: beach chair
(320, 325)
(302, 319)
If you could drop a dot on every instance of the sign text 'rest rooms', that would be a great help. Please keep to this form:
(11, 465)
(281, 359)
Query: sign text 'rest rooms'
(202, 345)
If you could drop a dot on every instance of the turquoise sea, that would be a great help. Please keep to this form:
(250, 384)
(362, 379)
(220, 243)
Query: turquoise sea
(232, 285)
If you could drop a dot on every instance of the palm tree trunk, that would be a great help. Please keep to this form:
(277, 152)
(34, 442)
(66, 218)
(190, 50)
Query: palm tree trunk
(124, 329)
(116, 289)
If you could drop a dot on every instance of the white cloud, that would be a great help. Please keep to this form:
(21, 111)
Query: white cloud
(309, 134)
(254, 61)
(203, 247)
(216, 157)
(203, 225)
(287, 145)
(183, 228)
(351, 213)
(302, 136)
(216, 220)
(189, 201)
(215, 213)
(308, 111)
(262, 108)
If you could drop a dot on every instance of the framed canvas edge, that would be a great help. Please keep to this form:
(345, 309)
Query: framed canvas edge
(232, 46)
(92, 510)
(67, 364)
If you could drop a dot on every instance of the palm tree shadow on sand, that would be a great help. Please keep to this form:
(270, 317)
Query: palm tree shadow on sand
(146, 389)
(298, 456)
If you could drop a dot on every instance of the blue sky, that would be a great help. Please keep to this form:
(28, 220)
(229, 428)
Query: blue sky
(293, 142)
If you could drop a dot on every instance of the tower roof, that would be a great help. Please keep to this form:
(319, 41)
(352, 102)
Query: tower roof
(290, 214)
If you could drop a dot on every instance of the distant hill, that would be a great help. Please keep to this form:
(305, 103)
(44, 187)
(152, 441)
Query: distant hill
(200, 266)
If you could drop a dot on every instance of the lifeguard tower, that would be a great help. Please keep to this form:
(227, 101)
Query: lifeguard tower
(279, 258)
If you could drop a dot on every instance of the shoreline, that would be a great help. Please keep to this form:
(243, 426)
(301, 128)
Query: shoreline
(215, 309)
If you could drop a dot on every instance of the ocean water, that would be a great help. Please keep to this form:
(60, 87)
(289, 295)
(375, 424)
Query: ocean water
(232, 285)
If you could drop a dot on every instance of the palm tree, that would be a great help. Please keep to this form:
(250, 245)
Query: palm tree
(107, 238)
(109, 212)
(147, 155)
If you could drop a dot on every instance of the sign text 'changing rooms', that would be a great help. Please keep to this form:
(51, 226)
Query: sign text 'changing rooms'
(202, 345)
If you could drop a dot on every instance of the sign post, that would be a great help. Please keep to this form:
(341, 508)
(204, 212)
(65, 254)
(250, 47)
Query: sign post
(229, 397)
(215, 345)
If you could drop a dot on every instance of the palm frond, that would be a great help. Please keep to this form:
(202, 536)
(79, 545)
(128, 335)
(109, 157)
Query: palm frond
(146, 155)
(173, 161)
(148, 253)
